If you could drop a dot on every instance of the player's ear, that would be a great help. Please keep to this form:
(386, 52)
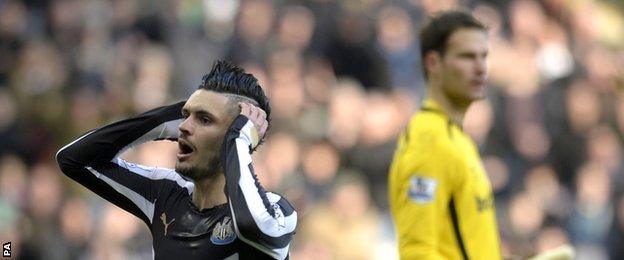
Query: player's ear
(233, 108)
(432, 61)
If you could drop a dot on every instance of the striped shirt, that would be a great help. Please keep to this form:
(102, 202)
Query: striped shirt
(253, 223)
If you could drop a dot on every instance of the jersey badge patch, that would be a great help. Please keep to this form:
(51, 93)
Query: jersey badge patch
(223, 233)
(422, 189)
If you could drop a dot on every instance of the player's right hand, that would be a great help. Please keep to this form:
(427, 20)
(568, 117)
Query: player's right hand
(257, 117)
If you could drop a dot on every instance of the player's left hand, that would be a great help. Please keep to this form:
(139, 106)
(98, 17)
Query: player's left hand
(257, 117)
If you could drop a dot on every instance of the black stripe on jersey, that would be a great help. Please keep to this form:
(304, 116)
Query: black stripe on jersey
(455, 220)
(261, 191)
(285, 205)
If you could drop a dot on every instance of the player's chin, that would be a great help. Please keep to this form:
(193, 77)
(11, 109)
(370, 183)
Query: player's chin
(477, 93)
(478, 96)
(186, 171)
(183, 167)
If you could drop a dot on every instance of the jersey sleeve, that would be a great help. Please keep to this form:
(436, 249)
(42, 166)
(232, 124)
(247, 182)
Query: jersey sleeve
(92, 160)
(262, 219)
(422, 192)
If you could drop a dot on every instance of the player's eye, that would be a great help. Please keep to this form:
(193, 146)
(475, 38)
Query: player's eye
(205, 120)
(467, 55)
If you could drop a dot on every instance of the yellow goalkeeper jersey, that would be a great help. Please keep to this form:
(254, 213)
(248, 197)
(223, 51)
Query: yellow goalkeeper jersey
(440, 197)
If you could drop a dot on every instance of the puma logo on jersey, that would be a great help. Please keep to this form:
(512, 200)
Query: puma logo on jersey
(163, 217)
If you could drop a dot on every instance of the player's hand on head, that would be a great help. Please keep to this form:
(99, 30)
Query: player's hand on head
(257, 117)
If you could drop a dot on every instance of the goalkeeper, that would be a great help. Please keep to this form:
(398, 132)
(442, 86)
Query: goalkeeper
(440, 197)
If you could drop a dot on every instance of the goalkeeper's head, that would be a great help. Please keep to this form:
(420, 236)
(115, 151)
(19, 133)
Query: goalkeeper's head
(454, 48)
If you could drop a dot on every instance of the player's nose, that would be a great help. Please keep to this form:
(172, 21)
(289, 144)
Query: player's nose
(480, 67)
(185, 127)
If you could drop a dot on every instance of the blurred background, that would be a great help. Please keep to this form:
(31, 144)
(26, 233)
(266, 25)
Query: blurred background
(344, 77)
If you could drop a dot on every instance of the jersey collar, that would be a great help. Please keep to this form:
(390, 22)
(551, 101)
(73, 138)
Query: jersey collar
(430, 105)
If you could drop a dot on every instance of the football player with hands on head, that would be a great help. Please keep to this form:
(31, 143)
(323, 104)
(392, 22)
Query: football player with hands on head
(211, 206)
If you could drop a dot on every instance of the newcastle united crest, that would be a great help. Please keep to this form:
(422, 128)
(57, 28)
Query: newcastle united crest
(223, 232)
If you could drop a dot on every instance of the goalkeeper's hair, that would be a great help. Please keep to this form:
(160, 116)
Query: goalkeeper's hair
(435, 33)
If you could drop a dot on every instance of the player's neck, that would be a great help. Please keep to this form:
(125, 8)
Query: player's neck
(456, 111)
(209, 192)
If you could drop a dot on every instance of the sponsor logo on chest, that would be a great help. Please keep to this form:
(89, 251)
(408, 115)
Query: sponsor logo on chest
(484, 203)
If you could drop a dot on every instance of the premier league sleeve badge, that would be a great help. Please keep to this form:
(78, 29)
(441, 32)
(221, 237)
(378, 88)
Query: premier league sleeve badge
(422, 189)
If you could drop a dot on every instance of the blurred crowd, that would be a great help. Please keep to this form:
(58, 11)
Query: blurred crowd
(344, 77)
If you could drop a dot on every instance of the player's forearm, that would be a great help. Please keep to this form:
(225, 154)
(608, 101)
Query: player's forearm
(91, 160)
(267, 225)
(242, 186)
(103, 144)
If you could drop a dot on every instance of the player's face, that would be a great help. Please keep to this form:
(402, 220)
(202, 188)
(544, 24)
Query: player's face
(207, 116)
(463, 67)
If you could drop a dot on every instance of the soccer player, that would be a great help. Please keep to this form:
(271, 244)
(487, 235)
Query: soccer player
(212, 205)
(440, 197)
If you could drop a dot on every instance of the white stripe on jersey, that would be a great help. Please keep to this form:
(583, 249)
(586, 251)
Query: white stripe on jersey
(146, 206)
(156, 173)
(69, 144)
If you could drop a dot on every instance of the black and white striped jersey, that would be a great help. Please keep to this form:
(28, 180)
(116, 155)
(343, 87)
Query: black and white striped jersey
(252, 224)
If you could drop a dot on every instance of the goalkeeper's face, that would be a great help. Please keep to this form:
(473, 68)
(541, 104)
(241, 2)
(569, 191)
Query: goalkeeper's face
(207, 116)
(462, 70)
